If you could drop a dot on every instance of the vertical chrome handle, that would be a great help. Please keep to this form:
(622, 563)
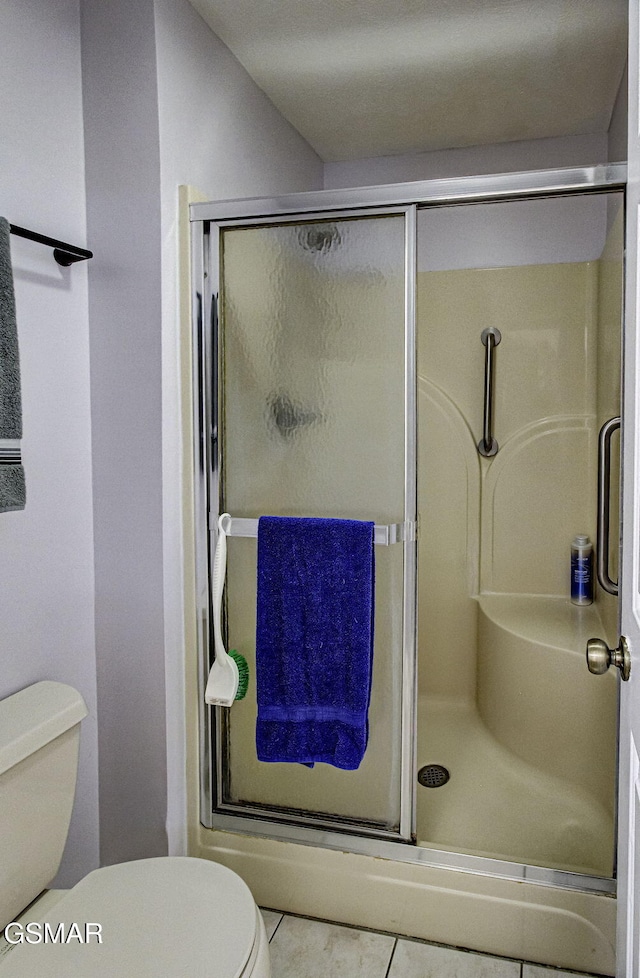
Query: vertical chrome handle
(604, 504)
(488, 446)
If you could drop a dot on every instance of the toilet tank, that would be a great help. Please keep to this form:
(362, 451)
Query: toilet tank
(39, 740)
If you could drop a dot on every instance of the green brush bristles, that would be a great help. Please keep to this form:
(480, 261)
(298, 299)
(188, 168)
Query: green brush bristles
(243, 673)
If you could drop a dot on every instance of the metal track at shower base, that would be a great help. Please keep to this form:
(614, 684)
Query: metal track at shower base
(417, 855)
(300, 819)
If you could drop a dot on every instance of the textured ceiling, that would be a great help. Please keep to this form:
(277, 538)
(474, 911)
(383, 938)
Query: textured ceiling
(361, 78)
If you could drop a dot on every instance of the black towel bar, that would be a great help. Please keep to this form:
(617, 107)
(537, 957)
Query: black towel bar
(64, 253)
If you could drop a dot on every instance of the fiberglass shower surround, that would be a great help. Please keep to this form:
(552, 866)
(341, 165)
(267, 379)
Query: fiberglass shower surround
(350, 383)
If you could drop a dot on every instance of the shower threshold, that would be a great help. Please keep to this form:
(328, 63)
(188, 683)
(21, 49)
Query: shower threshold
(435, 858)
(487, 788)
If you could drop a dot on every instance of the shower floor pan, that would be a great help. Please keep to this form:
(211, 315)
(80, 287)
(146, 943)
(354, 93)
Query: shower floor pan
(497, 805)
(532, 760)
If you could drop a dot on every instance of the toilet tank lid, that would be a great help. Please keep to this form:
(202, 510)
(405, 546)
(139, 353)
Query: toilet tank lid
(35, 716)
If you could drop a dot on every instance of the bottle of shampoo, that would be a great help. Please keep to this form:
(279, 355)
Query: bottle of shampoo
(581, 571)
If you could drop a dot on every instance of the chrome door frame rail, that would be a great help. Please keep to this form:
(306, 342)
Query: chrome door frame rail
(205, 287)
(206, 290)
(408, 723)
(456, 190)
(205, 486)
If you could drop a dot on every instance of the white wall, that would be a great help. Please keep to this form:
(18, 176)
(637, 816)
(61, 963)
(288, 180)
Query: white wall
(164, 103)
(46, 551)
(497, 158)
(123, 219)
(618, 125)
(218, 130)
(220, 133)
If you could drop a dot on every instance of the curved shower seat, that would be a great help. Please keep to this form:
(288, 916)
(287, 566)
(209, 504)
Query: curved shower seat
(534, 691)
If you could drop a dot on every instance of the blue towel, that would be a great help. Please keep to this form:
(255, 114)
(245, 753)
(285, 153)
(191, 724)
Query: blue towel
(314, 640)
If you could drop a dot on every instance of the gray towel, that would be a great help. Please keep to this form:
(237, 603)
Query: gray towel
(12, 485)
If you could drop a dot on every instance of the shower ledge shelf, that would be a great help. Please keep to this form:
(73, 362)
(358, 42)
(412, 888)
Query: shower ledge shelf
(545, 619)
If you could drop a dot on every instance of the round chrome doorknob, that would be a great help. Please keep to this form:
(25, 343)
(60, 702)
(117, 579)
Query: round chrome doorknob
(600, 657)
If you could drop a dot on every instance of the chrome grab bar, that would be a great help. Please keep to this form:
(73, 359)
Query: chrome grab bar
(604, 505)
(384, 534)
(488, 446)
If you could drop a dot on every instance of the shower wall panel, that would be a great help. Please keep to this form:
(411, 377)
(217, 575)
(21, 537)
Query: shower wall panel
(544, 404)
(510, 538)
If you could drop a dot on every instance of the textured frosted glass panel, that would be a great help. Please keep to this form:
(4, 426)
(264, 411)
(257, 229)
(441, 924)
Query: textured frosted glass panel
(312, 418)
(313, 333)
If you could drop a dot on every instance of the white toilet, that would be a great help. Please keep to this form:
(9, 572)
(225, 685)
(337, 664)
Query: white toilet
(170, 917)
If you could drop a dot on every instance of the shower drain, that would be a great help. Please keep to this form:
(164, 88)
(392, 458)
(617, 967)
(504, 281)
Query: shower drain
(433, 776)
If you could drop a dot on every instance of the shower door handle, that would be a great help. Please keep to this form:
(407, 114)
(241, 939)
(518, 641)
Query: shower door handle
(488, 446)
(604, 505)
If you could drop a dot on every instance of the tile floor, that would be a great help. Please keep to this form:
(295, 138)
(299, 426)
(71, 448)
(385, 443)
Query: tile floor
(303, 948)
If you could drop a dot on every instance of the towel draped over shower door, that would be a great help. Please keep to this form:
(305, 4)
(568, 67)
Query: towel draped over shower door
(314, 640)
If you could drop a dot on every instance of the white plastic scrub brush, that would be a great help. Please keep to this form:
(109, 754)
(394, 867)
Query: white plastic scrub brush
(229, 676)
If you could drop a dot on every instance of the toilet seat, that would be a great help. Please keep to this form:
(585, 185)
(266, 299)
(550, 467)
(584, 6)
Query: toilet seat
(175, 917)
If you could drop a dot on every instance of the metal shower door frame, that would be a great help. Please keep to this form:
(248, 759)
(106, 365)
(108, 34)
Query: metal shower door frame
(420, 194)
(206, 234)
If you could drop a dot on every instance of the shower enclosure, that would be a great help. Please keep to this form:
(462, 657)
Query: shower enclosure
(438, 358)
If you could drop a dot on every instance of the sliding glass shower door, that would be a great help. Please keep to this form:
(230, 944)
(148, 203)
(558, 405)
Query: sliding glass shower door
(312, 358)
